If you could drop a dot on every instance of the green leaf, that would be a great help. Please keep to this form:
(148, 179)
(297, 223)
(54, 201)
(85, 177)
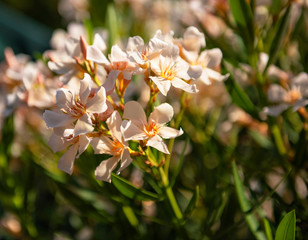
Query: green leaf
(132, 192)
(286, 228)
(246, 206)
(90, 30)
(240, 98)
(193, 202)
(113, 25)
(243, 17)
(279, 39)
(268, 230)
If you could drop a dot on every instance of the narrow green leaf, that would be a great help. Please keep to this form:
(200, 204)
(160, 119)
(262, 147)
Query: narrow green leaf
(268, 230)
(193, 202)
(113, 25)
(240, 98)
(130, 191)
(180, 164)
(243, 17)
(286, 228)
(246, 206)
(279, 39)
(90, 30)
(131, 217)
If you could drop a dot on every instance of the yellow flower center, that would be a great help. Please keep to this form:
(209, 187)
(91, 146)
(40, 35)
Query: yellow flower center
(117, 148)
(168, 72)
(152, 129)
(293, 95)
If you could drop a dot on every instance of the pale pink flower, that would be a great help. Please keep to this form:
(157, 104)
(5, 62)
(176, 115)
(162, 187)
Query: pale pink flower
(201, 65)
(63, 139)
(114, 145)
(119, 65)
(77, 108)
(153, 130)
(169, 70)
(142, 53)
(295, 96)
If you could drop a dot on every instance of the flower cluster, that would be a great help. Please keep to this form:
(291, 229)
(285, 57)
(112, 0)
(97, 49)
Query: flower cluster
(85, 93)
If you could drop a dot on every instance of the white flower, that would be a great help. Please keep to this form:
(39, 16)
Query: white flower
(74, 146)
(153, 130)
(296, 96)
(78, 108)
(115, 146)
(169, 70)
(119, 66)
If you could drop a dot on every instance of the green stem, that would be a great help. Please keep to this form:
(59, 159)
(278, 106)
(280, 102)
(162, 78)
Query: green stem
(278, 139)
(176, 126)
(175, 207)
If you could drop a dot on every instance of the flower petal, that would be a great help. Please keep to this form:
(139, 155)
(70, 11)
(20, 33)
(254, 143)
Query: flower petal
(109, 84)
(97, 104)
(85, 88)
(132, 132)
(102, 145)
(95, 55)
(214, 57)
(114, 123)
(66, 162)
(162, 84)
(56, 143)
(55, 119)
(215, 75)
(134, 111)
(276, 93)
(178, 83)
(64, 98)
(158, 143)
(83, 125)
(276, 110)
(161, 114)
(83, 144)
(125, 160)
(105, 168)
(168, 132)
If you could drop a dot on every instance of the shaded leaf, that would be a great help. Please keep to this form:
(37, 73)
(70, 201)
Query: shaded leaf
(193, 201)
(286, 228)
(246, 206)
(132, 192)
(240, 98)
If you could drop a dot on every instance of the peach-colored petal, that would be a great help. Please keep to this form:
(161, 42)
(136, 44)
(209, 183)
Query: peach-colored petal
(162, 84)
(178, 83)
(55, 119)
(195, 71)
(158, 143)
(99, 42)
(134, 111)
(95, 55)
(161, 114)
(64, 97)
(66, 162)
(97, 104)
(102, 145)
(125, 160)
(85, 88)
(276, 93)
(109, 84)
(132, 132)
(276, 110)
(168, 132)
(83, 144)
(83, 125)
(114, 124)
(56, 143)
(215, 75)
(105, 168)
(214, 55)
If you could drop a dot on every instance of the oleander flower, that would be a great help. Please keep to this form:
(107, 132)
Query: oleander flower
(114, 145)
(63, 139)
(79, 109)
(295, 96)
(151, 131)
(119, 67)
(203, 66)
(142, 53)
(169, 70)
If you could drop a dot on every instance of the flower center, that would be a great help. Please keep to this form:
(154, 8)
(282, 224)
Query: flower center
(293, 95)
(151, 129)
(168, 72)
(119, 65)
(117, 148)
